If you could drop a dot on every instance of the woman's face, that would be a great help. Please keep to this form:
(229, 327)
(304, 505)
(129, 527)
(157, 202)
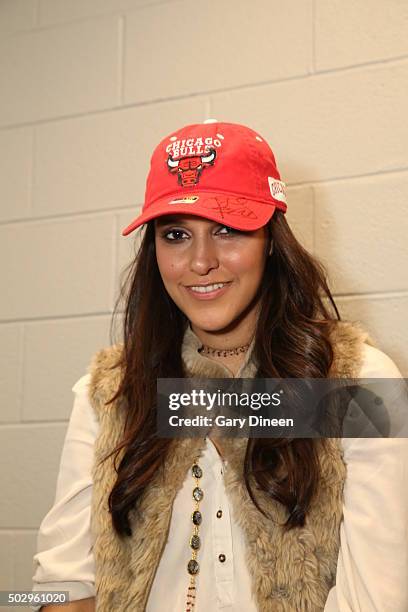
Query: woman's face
(193, 251)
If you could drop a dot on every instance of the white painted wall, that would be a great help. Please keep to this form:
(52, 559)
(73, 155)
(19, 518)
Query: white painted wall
(88, 88)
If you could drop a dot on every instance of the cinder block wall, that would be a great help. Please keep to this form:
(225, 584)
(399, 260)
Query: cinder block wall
(88, 87)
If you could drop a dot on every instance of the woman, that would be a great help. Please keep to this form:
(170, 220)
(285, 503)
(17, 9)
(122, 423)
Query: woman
(221, 288)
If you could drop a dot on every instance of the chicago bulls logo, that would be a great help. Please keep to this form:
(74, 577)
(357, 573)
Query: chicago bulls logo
(189, 168)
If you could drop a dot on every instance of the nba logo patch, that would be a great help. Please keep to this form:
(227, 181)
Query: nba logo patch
(277, 189)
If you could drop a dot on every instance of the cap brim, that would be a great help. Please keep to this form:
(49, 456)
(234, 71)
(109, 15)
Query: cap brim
(237, 212)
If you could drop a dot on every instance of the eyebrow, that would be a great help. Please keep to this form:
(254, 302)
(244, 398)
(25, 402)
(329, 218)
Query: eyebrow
(177, 219)
(164, 219)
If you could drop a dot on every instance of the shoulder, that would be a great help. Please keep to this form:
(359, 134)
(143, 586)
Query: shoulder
(104, 371)
(83, 423)
(353, 343)
(377, 364)
(106, 359)
(348, 332)
(347, 339)
(81, 385)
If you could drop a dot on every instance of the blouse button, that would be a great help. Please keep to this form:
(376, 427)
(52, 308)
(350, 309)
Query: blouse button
(221, 558)
(219, 513)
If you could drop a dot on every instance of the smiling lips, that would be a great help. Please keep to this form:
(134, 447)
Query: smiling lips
(208, 291)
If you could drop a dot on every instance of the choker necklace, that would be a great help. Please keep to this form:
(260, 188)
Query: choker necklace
(208, 350)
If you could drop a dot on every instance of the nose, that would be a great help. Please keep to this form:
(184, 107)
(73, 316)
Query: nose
(203, 256)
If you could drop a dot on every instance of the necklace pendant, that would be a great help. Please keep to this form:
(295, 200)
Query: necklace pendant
(197, 471)
(195, 542)
(193, 567)
(198, 494)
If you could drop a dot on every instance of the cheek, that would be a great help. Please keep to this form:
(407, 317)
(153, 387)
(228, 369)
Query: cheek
(246, 261)
(170, 267)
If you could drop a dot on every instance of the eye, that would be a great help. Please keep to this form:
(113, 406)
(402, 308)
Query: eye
(231, 230)
(175, 232)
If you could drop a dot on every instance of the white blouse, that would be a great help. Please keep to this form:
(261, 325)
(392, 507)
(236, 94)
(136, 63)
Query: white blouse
(372, 568)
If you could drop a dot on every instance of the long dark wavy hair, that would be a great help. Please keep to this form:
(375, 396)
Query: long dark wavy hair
(292, 340)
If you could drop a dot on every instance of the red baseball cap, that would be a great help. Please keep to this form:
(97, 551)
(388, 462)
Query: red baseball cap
(225, 172)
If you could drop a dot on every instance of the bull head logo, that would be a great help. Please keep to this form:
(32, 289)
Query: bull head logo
(189, 168)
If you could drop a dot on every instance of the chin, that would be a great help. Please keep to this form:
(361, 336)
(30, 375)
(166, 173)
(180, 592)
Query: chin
(210, 324)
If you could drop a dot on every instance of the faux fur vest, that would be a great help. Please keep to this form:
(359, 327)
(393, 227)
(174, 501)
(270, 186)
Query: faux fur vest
(291, 571)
